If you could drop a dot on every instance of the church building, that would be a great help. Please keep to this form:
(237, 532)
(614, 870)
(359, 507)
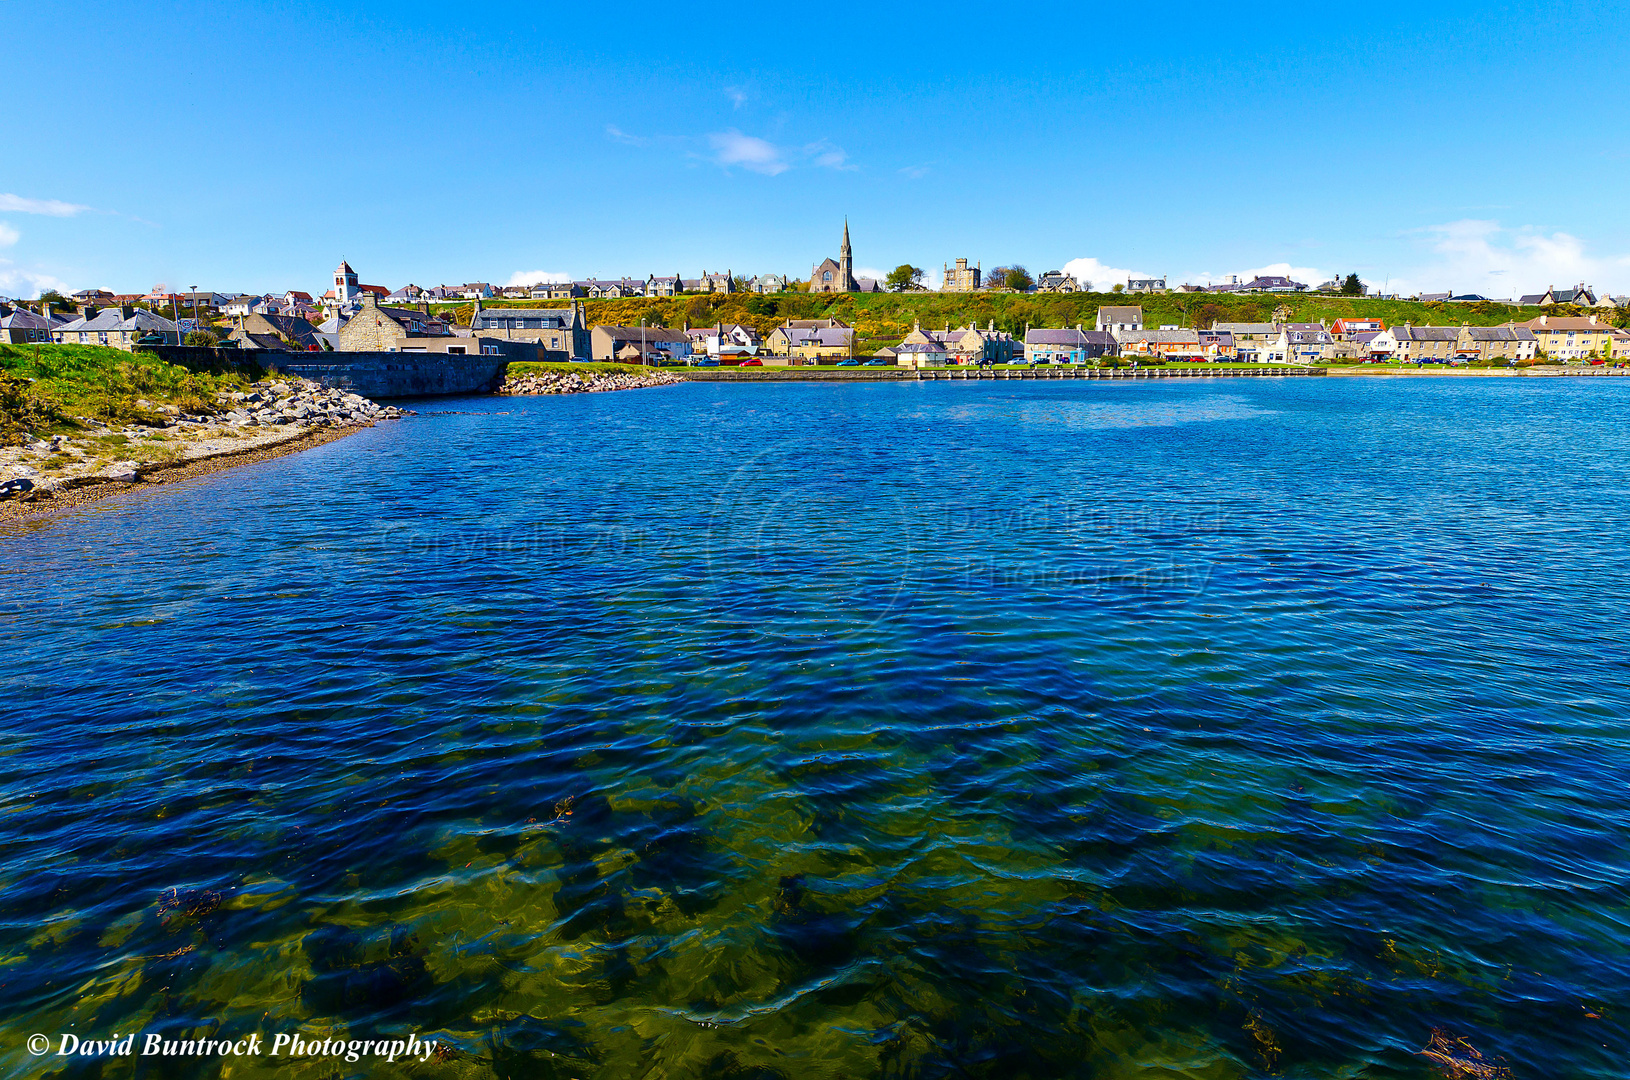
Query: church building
(832, 277)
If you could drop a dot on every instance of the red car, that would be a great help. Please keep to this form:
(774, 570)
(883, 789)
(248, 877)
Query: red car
(751, 363)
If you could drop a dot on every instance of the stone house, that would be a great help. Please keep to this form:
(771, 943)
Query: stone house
(1118, 320)
(664, 286)
(1514, 343)
(560, 333)
(650, 344)
(1043, 345)
(119, 327)
(1057, 281)
(768, 283)
(960, 278)
(1424, 344)
(265, 330)
(967, 344)
(1216, 344)
(1171, 344)
(20, 326)
(1254, 343)
(1271, 283)
(1307, 343)
(811, 342)
(392, 329)
(1146, 285)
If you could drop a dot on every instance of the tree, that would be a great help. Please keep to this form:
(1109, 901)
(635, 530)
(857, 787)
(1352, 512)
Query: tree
(56, 300)
(904, 277)
(996, 278)
(1118, 288)
(1019, 279)
(203, 338)
(1352, 286)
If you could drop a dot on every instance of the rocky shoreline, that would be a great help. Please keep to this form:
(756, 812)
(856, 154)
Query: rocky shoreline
(584, 382)
(269, 419)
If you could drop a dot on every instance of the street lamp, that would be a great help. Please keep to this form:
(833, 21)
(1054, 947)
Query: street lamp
(195, 306)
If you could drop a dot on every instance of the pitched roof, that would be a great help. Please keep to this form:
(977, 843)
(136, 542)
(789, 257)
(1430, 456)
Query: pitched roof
(543, 318)
(113, 319)
(1551, 323)
(1247, 327)
(1042, 335)
(1120, 314)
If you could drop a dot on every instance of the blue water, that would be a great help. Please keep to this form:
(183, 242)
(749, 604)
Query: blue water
(1212, 728)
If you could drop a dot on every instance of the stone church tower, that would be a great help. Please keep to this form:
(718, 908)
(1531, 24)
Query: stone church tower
(833, 277)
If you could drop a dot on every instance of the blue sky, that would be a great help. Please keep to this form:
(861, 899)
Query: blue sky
(251, 147)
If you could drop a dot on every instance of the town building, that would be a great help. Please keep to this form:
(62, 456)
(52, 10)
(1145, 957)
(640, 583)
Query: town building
(1345, 328)
(1571, 337)
(768, 283)
(1066, 345)
(560, 333)
(1254, 343)
(1307, 343)
(282, 333)
(967, 344)
(1425, 344)
(1507, 343)
(725, 341)
(119, 327)
(1580, 294)
(1117, 320)
(920, 354)
(799, 339)
(960, 278)
(1270, 283)
(374, 328)
(1167, 343)
(557, 290)
(1216, 344)
(639, 344)
(1057, 281)
(20, 326)
(1146, 285)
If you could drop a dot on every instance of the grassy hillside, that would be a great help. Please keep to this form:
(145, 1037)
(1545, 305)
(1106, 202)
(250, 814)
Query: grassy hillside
(886, 318)
(53, 387)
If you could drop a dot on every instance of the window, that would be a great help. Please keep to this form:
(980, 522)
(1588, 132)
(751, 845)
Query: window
(102, 337)
(827, 276)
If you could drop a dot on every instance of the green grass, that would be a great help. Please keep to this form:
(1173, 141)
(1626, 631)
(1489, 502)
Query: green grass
(533, 367)
(49, 388)
(888, 317)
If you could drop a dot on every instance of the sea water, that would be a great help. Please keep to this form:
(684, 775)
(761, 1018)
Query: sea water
(1214, 728)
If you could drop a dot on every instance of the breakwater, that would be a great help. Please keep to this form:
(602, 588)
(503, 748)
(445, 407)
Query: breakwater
(371, 374)
(584, 382)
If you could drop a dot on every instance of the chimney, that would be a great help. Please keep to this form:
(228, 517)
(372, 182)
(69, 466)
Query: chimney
(128, 312)
(87, 311)
(424, 308)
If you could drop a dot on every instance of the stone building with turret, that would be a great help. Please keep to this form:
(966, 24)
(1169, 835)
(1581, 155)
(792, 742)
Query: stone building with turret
(833, 277)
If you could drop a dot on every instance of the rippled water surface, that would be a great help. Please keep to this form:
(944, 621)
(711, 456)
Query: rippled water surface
(1220, 728)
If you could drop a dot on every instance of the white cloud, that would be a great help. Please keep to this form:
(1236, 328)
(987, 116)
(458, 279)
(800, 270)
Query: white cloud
(827, 156)
(915, 172)
(16, 204)
(535, 277)
(737, 96)
(871, 272)
(617, 134)
(8, 235)
(27, 284)
(1473, 256)
(1100, 278)
(733, 148)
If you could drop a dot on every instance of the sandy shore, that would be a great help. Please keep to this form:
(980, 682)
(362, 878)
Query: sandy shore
(95, 489)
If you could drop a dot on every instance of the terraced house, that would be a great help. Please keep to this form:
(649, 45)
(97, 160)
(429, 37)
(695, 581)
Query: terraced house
(1572, 337)
(120, 327)
(1509, 343)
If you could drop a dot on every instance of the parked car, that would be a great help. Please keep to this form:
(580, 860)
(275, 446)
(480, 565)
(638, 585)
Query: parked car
(875, 363)
(707, 361)
(751, 363)
(849, 363)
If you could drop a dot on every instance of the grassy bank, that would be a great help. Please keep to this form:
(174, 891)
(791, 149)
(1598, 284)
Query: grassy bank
(56, 388)
(528, 367)
(884, 319)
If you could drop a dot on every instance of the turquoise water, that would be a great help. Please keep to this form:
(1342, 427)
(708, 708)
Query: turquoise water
(1213, 729)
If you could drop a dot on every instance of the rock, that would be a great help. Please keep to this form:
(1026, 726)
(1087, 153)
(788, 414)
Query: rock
(13, 488)
(122, 471)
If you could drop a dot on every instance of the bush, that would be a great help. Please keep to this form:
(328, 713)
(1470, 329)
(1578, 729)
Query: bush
(22, 412)
(202, 338)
